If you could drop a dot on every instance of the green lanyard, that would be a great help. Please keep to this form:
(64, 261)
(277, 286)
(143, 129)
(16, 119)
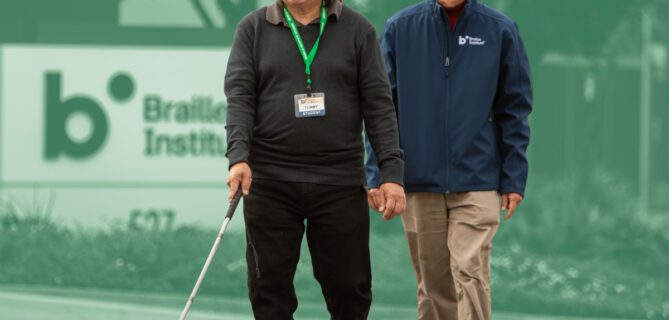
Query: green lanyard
(308, 58)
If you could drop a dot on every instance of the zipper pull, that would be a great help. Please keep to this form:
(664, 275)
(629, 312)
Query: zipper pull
(448, 62)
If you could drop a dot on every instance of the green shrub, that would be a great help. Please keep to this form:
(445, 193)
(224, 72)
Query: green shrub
(587, 217)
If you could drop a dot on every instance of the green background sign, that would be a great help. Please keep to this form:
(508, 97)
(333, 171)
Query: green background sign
(115, 128)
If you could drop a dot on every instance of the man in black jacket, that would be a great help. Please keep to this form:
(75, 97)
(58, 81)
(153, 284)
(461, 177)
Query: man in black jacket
(302, 78)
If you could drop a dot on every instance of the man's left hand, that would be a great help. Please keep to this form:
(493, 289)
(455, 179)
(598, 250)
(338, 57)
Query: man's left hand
(510, 202)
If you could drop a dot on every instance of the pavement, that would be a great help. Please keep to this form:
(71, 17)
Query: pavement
(61, 304)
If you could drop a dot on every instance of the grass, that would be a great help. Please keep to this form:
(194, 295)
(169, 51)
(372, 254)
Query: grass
(578, 252)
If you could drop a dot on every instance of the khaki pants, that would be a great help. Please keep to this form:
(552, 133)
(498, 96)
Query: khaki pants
(450, 239)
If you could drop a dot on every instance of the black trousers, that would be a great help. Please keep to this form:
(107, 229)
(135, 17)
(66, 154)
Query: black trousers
(337, 227)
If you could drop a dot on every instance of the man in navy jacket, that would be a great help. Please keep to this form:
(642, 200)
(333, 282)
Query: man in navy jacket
(461, 85)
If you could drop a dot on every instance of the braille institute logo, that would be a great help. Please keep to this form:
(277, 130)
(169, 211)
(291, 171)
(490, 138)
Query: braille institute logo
(472, 41)
(59, 111)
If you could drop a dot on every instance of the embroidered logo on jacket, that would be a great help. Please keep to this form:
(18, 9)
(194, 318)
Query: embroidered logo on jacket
(472, 41)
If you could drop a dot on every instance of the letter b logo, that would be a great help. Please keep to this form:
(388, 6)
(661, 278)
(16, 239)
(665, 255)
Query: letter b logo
(57, 139)
(462, 40)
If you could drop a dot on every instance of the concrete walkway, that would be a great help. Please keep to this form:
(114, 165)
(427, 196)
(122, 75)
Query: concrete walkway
(39, 306)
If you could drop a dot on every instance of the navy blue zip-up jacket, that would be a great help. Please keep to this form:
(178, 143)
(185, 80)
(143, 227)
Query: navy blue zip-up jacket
(463, 98)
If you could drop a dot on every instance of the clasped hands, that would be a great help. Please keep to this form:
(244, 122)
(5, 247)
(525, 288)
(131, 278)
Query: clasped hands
(388, 199)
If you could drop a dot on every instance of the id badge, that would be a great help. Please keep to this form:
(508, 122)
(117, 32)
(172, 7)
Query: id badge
(310, 106)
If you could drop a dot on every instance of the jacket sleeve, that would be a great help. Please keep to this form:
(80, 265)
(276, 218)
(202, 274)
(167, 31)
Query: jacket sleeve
(512, 108)
(384, 157)
(240, 90)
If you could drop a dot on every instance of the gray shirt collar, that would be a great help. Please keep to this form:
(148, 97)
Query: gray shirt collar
(275, 12)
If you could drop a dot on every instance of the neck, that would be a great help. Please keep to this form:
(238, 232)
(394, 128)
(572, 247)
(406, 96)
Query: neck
(449, 4)
(305, 11)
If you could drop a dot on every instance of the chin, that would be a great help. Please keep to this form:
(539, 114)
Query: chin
(298, 2)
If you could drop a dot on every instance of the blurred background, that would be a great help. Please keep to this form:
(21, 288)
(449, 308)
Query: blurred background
(112, 165)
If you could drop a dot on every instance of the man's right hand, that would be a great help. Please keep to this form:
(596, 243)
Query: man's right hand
(375, 198)
(240, 174)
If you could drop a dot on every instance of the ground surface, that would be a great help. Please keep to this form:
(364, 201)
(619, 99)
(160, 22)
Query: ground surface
(39, 303)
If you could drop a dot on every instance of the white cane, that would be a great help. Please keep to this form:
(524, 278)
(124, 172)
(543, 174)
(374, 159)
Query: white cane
(228, 217)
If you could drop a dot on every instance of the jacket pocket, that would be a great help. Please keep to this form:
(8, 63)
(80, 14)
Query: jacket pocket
(254, 258)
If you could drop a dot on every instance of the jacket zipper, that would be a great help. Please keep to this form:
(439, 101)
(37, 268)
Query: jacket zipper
(447, 65)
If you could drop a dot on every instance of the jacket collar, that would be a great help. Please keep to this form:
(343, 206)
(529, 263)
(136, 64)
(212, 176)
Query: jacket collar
(275, 16)
(470, 7)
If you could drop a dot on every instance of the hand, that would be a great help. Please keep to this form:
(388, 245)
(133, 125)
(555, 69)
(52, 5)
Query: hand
(511, 201)
(375, 198)
(240, 174)
(393, 201)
